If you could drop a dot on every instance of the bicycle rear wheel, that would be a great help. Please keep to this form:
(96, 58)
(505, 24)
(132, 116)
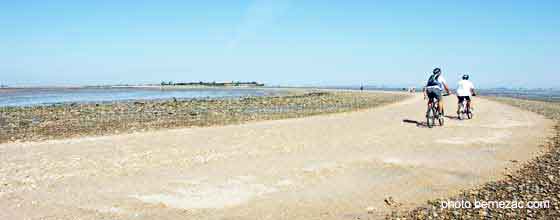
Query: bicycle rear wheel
(460, 112)
(430, 118)
(441, 120)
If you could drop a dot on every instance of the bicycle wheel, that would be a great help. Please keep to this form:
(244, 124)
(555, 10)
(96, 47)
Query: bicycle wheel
(438, 114)
(460, 112)
(469, 114)
(430, 117)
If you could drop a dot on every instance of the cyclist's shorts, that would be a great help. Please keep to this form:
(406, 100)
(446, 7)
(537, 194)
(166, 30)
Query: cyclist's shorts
(462, 98)
(433, 93)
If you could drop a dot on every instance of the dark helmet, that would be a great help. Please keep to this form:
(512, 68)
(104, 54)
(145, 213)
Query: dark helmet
(437, 71)
(466, 77)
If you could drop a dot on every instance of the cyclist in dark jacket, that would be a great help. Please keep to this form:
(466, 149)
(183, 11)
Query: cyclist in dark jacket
(434, 88)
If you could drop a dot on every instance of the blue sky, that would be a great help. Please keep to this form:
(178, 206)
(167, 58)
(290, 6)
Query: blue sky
(500, 43)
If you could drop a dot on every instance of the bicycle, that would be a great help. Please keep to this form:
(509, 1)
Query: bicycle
(464, 111)
(433, 113)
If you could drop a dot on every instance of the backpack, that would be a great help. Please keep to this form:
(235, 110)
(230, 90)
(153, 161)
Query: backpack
(433, 81)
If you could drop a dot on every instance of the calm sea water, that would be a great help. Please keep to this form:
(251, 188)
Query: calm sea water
(42, 96)
(536, 94)
(552, 95)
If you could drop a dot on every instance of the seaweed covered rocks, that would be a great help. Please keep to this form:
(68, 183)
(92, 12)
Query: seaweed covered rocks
(74, 119)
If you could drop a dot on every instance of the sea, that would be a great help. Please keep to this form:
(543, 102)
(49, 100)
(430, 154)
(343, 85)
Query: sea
(13, 97)
(550, 95)
(10, 97)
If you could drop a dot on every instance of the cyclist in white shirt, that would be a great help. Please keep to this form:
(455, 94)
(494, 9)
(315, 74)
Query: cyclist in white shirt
(465, 89)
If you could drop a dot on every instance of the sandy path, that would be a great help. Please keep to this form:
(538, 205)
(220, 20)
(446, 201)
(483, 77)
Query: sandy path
(338, 166)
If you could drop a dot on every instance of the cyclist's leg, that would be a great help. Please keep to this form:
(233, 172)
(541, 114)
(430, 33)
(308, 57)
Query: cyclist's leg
(459, 103)
(440, 101)
(431, 96)
(469, 103)
(440, 106)
(429, 104)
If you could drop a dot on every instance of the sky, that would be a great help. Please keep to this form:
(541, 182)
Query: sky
(280, 42)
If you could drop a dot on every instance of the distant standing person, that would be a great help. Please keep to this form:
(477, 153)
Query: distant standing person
(465, 89)
(434, 88)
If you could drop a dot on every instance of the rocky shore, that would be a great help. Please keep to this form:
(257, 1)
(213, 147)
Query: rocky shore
(71, 120)
(536, 180)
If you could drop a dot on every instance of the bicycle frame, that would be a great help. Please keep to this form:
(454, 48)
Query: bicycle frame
(433, 107)
(434, 103)
(464, 109)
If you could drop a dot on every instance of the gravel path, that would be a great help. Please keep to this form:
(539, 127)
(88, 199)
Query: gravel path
(361, 164)
(537, 181)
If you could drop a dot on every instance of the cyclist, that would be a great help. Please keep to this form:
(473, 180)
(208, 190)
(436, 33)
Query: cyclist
(465, 89)
(434, 88)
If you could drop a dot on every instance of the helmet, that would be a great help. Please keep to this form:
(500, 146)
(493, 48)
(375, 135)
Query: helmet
(437, 71)
(466, 77)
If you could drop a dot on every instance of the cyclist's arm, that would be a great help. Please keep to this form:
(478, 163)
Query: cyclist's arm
(446, 88)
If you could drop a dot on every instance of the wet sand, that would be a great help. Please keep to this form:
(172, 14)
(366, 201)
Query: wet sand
(339, 166)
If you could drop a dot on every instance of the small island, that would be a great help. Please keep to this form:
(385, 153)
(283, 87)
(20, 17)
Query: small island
(214, 84)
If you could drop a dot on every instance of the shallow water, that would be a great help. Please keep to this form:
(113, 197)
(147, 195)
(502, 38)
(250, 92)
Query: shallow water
(534, 94)
(40, 96)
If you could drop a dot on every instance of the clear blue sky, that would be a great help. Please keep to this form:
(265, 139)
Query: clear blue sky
(500, 43)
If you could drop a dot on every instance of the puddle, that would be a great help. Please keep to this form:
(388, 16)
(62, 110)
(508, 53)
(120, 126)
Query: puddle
(507, 124)
(285, 182)
(395, 161)
(110, 210)
(320, 167)
(233, 192)
(497, 137)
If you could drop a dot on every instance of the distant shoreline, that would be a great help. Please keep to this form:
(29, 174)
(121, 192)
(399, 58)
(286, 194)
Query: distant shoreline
(83, 95)
(544, 94)
(127, 86)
